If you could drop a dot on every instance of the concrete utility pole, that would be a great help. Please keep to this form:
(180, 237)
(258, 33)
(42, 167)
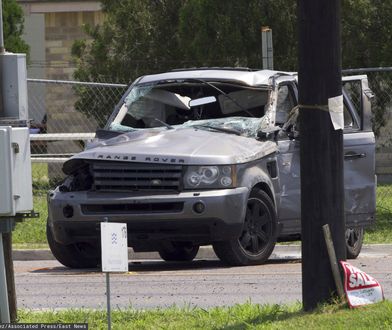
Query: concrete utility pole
(322, 191)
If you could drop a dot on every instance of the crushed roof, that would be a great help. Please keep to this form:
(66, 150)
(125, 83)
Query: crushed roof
(251, 78)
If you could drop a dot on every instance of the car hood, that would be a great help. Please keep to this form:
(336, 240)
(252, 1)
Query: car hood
(190, 146)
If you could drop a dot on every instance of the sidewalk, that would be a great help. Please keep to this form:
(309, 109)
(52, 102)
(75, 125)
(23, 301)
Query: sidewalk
(206, 252)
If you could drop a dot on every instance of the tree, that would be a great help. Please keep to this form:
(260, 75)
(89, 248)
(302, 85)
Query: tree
(217, 33)
(228, 33)
(140, 37)
(137, 37)
(367, 42)
(13, 25)
(366, 33)
(148, 36)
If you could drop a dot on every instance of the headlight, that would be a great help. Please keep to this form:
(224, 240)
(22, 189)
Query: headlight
(212, 177)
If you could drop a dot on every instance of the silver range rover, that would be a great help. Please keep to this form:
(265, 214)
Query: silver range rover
(206, 156)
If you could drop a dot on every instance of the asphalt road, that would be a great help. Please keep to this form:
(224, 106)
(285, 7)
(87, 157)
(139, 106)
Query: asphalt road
(153, 283)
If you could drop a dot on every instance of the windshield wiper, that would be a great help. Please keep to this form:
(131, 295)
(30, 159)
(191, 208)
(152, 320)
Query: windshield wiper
(219, 129)
(223, 93)
(163, 123)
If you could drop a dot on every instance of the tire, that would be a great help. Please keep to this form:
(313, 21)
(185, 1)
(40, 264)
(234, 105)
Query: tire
(258, 237)
(179, 252)
(354, 241)
(78, 255)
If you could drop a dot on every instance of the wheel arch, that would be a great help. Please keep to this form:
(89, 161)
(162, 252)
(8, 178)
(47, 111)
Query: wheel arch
(266, 188)
(256, 178)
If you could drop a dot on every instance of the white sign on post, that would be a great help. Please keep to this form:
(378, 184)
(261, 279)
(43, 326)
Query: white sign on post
(114, 246)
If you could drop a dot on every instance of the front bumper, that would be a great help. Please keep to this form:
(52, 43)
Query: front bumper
(75, 216)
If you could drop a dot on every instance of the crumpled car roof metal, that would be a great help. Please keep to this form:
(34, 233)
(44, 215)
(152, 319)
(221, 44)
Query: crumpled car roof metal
(250, 78)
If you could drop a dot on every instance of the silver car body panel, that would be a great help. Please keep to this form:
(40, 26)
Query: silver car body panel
(268, 162)
(192, 147)
(250, 78)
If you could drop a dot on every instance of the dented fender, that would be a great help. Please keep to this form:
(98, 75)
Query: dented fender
(255, 173)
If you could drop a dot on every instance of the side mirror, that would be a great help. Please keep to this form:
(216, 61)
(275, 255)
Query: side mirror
(201, 101)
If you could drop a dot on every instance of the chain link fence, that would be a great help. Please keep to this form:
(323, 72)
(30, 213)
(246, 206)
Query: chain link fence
(64, 110)
(59, 107)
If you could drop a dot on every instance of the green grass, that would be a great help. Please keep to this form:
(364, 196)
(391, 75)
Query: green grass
(244, 316)
(31, 233)
(381, 232)
(40, 176)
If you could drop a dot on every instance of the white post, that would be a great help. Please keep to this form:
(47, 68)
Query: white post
(114, 247)
(4, 307)
(267, 48)
(109, 311)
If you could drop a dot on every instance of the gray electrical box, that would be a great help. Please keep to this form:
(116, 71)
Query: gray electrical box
(14, 79)
(15, 164)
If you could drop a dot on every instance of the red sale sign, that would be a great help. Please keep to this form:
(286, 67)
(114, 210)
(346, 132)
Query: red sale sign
(361, 289)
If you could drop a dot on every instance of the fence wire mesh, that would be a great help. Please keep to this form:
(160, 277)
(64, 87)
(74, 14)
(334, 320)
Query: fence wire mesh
(78, 107)
(57, 107)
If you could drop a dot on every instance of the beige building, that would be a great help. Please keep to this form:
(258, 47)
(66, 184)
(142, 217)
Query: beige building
(51, 27)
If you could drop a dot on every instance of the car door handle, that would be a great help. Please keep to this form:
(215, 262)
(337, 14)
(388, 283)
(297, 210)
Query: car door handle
(353, 155)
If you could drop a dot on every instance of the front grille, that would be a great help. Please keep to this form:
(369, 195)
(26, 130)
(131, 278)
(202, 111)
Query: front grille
(122, 176)
(134, 208)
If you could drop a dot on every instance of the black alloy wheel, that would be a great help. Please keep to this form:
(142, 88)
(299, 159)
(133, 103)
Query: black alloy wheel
(258, 227)
(258, 236)
(77, 255)
(354, 241)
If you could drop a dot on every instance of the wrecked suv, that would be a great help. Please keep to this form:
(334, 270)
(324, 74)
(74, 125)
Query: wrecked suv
(205, 156)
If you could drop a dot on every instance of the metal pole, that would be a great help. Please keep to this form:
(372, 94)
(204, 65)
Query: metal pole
(2, 49)
(109, 312)
(108, 301)
(9, 273)
(4, 307)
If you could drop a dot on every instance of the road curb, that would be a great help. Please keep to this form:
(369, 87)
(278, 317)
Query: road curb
(205, 252)
(291, 251)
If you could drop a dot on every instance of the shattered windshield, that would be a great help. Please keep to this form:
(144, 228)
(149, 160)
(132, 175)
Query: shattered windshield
(217, 106)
